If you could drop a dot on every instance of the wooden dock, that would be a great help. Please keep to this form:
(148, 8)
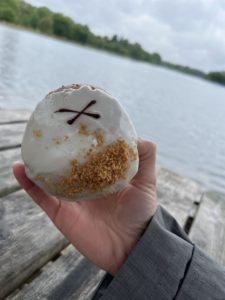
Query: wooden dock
(37, 262)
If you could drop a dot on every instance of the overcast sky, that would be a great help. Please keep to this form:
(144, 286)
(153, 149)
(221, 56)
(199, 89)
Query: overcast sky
(189, 32)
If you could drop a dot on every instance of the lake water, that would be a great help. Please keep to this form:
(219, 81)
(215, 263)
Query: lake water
(184, 115)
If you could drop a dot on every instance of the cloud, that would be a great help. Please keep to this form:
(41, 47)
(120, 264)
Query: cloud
(189, 32)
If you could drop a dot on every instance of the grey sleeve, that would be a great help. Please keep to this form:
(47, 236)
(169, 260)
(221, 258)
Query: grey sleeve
(164, 265)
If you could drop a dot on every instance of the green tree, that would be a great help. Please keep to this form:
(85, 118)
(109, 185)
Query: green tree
(7, 14)
(62, 26)
(45, 24)
(25, 12)
(156, 58)
(136, 51)
(13, 4)
(114, 39)
(81, 33)
(216, 77)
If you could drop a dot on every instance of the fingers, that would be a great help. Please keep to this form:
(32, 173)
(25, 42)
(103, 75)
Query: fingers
(147, 163)
(48, 203)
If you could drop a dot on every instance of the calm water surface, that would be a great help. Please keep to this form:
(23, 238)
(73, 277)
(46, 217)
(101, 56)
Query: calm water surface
(185, 116)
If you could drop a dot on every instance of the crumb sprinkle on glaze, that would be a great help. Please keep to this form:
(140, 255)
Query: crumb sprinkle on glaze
(101, 170)
(99, 136)
(37, 133)
(40, 178)
(133, 154)
(83, 130)
(56, 141)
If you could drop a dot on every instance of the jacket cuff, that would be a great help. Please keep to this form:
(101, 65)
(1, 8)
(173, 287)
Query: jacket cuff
(205, 279)
(155, 268)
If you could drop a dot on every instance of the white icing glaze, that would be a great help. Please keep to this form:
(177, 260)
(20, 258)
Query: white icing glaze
(49, 154)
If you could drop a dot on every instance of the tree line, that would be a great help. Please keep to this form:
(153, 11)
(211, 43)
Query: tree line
(45, 21)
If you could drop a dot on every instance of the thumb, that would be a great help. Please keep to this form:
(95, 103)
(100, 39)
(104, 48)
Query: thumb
(146, 175)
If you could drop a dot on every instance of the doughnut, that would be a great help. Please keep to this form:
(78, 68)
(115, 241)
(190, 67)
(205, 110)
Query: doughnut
(80, 143)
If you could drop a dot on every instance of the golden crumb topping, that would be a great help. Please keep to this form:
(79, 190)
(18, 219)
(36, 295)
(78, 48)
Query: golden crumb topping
(83, 130)
(133, 154)
(56, 141)
(37, 133)
(98, 134)
(101, 170)
(40, 178)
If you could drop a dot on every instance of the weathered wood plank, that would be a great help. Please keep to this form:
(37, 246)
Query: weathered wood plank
(8, 182)
(14, 116)
(71, 276)
(208, 229)
(28, 240)
(177, 194)
(11, 135)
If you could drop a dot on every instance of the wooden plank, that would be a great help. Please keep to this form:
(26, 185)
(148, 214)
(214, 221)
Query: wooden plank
(11, 135)
(178, 194)
(71, 276)
(28, 240)
(14, 115)
(8, 182)
(208, 229)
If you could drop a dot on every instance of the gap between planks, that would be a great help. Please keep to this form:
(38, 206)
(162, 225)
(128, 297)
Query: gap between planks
(3, 148)
(11, 135)
(13, 122)
(71, 276)
(24, 246)
(37, 273)
(193, 213)
(208, 229)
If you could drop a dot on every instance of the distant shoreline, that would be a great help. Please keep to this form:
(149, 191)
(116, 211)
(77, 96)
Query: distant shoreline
(41, 20)
(57, 38)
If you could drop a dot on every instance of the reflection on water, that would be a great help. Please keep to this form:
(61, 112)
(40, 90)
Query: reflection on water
(183, 115)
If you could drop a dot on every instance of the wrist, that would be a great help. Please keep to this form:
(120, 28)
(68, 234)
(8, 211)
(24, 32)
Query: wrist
(122, 253)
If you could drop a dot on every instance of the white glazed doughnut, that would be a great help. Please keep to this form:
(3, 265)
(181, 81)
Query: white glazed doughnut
(80, 143)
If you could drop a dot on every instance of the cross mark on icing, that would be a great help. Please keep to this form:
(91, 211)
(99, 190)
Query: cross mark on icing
(79, 113)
